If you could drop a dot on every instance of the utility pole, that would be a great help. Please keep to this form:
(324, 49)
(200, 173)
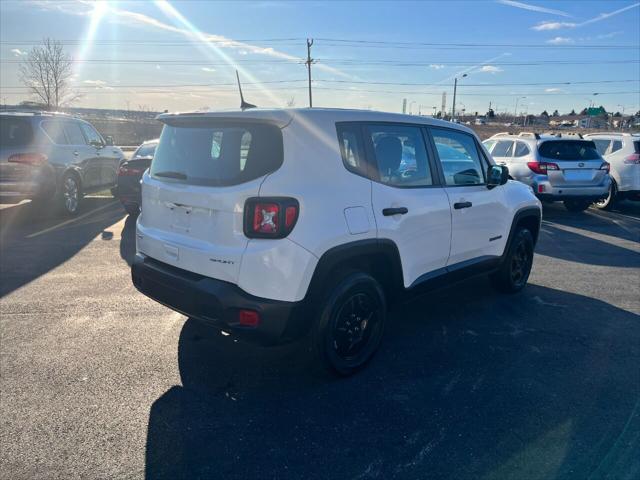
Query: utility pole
(309, 62)
(455, 88)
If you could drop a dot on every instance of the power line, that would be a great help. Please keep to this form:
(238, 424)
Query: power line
(329, 61)
(334, 42)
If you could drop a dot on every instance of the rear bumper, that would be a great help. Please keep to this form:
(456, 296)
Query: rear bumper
(128, 190)
(217, 303)
(629, 195)
(545, 191)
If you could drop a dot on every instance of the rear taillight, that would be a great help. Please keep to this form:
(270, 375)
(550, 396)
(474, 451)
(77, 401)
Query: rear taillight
(272, 217)
(541, 168)
(126, 171)
(33, 159)
(633, 159)
(606, 167)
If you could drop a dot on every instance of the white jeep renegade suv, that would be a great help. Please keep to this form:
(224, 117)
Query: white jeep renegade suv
(271, 224)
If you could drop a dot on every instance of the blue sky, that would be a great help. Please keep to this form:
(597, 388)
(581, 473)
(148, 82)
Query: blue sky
(182, 55)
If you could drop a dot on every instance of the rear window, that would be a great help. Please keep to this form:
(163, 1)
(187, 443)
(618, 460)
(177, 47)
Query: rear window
(146, 150)
(15, 132)
(602, 146)
(636, 146)
(569, 150)
(217, 154)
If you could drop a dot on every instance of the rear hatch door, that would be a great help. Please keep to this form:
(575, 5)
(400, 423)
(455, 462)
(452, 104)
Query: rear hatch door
(579, 163)
(194, 193)
(16, 136)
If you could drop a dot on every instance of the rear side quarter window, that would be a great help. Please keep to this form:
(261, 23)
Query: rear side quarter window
(352, 148)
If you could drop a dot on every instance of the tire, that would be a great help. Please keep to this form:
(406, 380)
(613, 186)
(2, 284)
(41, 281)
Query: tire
(70, 195)
(350, 324)
(576, 205)
(609, 202)
(516, 267)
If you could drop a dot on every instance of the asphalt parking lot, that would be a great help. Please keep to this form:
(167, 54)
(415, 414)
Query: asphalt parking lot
(97, 381)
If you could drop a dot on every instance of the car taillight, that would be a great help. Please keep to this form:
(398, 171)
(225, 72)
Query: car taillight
(272, 217)
(126, 171)
(541, 168)
(633, 159)
(606, 167)
(33, 159)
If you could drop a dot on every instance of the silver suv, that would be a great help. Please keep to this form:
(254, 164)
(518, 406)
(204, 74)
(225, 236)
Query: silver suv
(45, 156)
(557, 167)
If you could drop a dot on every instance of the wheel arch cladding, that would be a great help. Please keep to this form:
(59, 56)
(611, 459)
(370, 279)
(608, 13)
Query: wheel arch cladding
(528, 217)
(379, 258)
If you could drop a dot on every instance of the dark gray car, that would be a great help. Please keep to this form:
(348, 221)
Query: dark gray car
(53, 157)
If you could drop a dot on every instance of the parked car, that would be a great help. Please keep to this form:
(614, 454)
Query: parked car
(622, 151)
(560, 167)
(276, 224)
(52, 156)
(129, 175)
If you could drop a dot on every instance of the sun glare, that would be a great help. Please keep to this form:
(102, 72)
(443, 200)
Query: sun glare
(201, 40)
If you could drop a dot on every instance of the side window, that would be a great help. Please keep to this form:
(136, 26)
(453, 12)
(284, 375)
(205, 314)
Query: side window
(351, 148)
(617, 145)
(504, 148)
(93, 137)
(55, 131)
(459, 156)
(216, 145)
(400, 155)
(74, 134)
(522, 150)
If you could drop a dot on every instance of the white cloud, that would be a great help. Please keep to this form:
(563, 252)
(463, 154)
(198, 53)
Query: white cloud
(543, 26)
(548, 25)
(97, 83)
(608, 35)
(533, 8)
(490, 69)
(208, 69)
(561, 41)
(17, 52)
(436, 66)
(552, 90)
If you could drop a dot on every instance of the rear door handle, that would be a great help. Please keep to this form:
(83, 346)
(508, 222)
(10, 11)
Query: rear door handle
(460, 205)
(387, 212)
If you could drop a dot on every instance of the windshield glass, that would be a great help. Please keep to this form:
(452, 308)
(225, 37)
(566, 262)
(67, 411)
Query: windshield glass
(569, 150)
(218, 155)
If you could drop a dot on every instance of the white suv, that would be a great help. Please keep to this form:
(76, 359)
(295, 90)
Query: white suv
(271, 224)
(622, 151)
(561, 167)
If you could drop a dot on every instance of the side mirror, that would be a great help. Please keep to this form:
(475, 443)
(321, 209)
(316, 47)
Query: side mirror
(108, 141)
(497, 175)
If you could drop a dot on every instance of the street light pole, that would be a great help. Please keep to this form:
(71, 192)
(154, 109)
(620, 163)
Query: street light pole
(455, 88)
(515, 112)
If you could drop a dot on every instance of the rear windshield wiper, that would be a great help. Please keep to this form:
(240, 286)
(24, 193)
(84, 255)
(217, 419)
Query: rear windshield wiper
(170, 174)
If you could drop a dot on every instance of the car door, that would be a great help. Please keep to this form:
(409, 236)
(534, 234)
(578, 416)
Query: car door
(107, 158)
(410, 206)
(83, 154)
(479, 217)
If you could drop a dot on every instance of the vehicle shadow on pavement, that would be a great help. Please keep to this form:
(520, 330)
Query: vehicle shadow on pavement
(468, 384)
(35, 241)
(592, 237)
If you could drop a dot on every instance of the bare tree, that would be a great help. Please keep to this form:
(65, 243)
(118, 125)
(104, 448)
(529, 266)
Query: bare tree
(47, 73)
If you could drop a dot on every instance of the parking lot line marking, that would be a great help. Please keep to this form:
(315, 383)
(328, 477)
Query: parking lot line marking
(71, 220)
